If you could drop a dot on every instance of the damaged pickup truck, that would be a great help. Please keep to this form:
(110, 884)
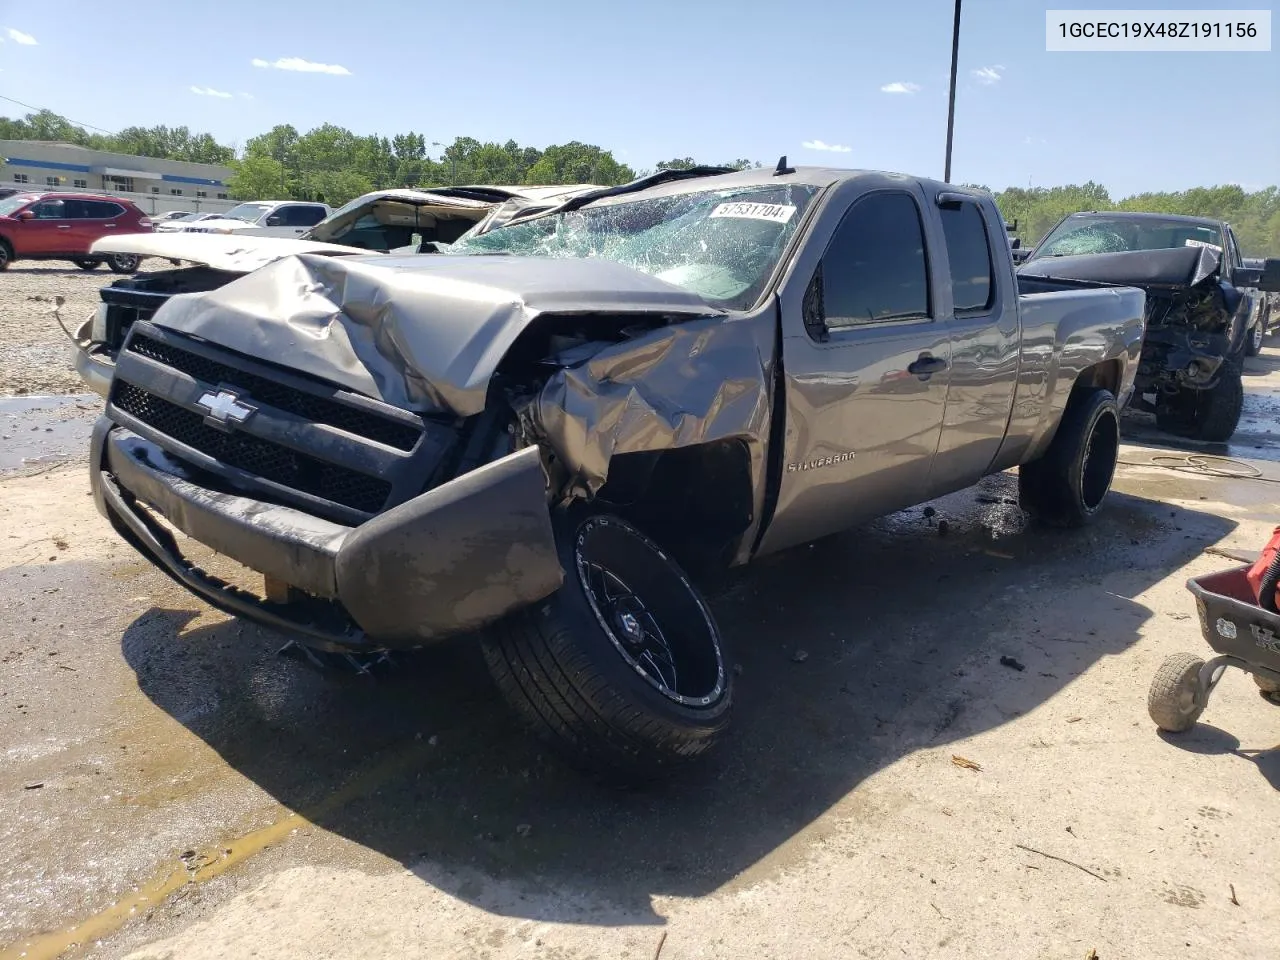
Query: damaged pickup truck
(1200, 306)
(531, 438)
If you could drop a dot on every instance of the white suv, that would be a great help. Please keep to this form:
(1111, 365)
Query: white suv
(264, 218)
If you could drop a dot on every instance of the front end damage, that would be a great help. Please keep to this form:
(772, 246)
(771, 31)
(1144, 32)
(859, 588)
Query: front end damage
(386, 442)
(1193, 323)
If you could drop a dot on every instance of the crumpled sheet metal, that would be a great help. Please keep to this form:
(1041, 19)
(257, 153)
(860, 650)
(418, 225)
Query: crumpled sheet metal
(422, 333)
(678, 386)
(1175, 267)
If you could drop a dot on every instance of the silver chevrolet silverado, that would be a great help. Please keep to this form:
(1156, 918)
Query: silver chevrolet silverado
(543, 435)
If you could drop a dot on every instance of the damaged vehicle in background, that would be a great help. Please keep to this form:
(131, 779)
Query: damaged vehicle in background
(1201, 320)
(403, 220)
(541, 437)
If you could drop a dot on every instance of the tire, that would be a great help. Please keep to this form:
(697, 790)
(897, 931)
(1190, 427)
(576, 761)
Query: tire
(1266, 685)
(1173, 701)
(87, 264)
(1208, 415)
(1068, 485)
(123, 262)
(1253, 343)
(6, 255)
(573, 668)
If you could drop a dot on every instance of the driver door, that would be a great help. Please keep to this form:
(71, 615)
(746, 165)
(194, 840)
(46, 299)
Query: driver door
(867, 365)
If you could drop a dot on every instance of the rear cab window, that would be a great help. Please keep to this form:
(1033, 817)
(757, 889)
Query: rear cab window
(969, 257)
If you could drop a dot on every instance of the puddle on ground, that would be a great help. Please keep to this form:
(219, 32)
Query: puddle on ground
(1256, 438)
(35, 430)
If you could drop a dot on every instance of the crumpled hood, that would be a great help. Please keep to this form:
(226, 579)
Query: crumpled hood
(1177, 267)
(421, 332)
(225, 252)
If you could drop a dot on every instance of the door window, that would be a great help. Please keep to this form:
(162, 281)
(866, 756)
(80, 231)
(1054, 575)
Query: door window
(51, 210)
(875, 269)
(298, 216)
(969, 257)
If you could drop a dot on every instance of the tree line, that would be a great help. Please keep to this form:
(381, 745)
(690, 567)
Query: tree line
(333, 164)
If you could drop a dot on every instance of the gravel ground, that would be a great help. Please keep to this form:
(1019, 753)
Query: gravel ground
(34, 357)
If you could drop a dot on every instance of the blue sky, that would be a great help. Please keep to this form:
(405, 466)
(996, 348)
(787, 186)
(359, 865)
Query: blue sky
(657, 79)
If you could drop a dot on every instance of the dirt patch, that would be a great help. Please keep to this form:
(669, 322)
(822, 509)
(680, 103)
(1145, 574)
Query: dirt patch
(34, 351)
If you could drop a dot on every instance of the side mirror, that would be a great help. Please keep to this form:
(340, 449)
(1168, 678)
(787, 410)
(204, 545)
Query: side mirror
(1015, 243)
(1021, 255)
(26, 215)
(1269, 276)
(275, 220)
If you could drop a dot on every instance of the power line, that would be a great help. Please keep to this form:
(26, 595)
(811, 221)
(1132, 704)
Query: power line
(78, 123)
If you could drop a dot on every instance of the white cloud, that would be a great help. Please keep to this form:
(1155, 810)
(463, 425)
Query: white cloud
(988, 75)
(247, 96)
(829, 147)
(899, 86)
(298, 65)
(17, 36)
(1033, 141)
(210, 92)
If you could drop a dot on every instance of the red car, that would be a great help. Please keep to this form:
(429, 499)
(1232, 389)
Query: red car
(62, 226)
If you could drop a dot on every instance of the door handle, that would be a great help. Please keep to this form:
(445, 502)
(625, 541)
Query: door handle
(926, 366)
(108, 224)
(64, 226)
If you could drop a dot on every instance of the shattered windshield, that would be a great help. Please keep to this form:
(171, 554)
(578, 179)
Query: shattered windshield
(1085, 235)
(720, 244)
(248, 212)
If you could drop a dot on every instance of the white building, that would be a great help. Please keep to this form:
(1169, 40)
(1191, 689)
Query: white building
(154, 185)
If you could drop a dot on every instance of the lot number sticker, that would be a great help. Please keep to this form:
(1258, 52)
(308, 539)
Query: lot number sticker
(773, 212)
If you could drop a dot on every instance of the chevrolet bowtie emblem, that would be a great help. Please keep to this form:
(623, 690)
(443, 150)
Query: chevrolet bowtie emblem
(225, 409)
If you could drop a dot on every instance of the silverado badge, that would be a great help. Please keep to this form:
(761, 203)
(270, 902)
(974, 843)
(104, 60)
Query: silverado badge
(820, 462)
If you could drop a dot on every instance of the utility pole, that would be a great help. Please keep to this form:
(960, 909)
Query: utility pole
(951, 102)
(453, 164)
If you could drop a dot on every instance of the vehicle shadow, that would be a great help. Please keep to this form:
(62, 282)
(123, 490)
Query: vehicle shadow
(854, 652)
(1205, 738)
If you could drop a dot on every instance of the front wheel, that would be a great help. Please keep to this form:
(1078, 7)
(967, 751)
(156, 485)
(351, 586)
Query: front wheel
(123, 262)
(1066, 486)
(87, 264)
(1253, 345)
(623, 669)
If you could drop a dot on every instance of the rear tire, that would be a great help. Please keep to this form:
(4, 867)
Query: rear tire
(1067, 486)
(87, 264)
(123, 262)
(6, 255)
(1173, 700)
(622, 670)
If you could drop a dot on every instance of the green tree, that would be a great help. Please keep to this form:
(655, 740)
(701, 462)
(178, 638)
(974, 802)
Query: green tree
(256, 178)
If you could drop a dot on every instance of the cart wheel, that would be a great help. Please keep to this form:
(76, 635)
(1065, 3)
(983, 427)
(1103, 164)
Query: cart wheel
(1266, 685)
(1174, 700)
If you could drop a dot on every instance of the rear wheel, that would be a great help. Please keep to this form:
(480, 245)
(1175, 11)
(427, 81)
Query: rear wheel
(1067, 486)
(622, 670)
(123, 262)
(87, 264)
(6, 255)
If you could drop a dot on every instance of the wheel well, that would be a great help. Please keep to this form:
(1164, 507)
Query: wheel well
(693, 501)
(4, 241)
(1105, 374)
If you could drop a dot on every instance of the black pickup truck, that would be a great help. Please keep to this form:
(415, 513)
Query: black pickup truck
(532, 436)
(1202, 314)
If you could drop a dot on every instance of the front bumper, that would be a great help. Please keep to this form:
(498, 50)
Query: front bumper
(92, 360)
(451, 560)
